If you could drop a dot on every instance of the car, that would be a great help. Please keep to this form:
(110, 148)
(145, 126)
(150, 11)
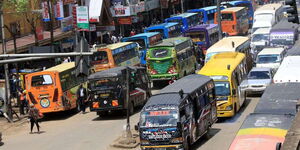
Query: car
(257, 80)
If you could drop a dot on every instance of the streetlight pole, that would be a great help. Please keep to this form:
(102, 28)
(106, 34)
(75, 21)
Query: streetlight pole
(219, 19)
(7, 103)
(51, 24)
(182, 9)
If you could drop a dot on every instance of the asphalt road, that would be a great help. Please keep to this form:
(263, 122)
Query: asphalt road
(87, 131)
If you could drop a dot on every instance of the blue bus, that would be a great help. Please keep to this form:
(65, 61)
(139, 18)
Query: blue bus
(186, 20)
(144, 40)
(168, 30)
(207, 14)
(247, 4)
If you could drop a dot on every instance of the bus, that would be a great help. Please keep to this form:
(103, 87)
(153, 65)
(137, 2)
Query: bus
(118, 54)
(234, 21)
(247, 4)
(144, 40)
(168, 30)
(203, 35)
(231, 44)
(186, 20)
(272, 118)
(54, 89)
(173, 58)
(228, 70)
(284, 34)
(179, 115)
(206, 13)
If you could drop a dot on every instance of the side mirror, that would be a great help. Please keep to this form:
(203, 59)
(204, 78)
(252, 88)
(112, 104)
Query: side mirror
(233, 92)
(136, 127)
(179, 126)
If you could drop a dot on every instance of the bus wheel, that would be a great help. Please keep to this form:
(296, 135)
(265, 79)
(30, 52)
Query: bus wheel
(186, 144)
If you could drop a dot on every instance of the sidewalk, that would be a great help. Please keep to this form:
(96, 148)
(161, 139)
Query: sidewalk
(5, 125)
(25, 42)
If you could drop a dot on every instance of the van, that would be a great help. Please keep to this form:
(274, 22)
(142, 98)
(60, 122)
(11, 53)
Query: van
(260, 39)
(267, 16)
(270, 57)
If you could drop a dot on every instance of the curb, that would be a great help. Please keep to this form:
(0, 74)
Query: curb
(116, 143)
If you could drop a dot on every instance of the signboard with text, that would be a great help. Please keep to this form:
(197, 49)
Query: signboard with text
(66, 24)
(82, 16)
(126, 20)
(59, 10)
(46, 16)
(121, 11)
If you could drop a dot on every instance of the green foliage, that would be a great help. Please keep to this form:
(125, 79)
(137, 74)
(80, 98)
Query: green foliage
(18, 6)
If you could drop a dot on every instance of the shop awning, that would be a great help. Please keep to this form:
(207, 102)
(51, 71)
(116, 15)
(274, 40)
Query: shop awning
(95, 9)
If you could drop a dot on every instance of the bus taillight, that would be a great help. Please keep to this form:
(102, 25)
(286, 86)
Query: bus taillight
(32, 99)
(55, 95)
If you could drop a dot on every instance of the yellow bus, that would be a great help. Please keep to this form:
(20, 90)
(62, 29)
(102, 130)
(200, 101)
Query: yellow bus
(228, 70)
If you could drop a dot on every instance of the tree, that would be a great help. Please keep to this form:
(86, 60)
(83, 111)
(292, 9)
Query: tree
(24, 9)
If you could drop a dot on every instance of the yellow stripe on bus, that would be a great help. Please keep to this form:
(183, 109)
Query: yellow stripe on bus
(263, 131)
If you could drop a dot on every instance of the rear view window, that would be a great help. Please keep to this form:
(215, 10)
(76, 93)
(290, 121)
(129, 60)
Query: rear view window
(41, 80)
(227, 17)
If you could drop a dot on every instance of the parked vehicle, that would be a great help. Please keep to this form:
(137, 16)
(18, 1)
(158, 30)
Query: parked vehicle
(284, 34)
(288, 70)
(173, 58)
(257, 80)
(270, 57)
(259, 40)
(144, 40)
(179, 115)
(203, 35)
(206, 13)
(114, 55)
(168, 30)
(234, 21)
(186, 20)
(108, 89)
(273, 116)
(228, 70)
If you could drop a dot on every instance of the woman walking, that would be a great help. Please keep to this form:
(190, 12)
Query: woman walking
(34, 115)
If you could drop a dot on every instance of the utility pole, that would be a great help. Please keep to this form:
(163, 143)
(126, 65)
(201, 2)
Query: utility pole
(49, 4)
(7, 103)
(128, 132)
(182, 9)
(219, 19)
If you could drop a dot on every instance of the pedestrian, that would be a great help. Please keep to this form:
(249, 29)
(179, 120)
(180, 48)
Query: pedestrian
(114, 39)
(22, 94)
(34, 116)
(81, 98)
(65, 60)
(132, 33)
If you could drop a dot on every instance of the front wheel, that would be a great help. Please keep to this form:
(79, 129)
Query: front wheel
(186, 144)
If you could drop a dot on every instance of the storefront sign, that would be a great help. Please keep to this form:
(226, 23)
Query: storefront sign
(120, 11)
(151, 4)
(45, 14)
(82, 18)
(126, 20)
(40, 34)
(67, 24)
(59, 10)
(140, 7)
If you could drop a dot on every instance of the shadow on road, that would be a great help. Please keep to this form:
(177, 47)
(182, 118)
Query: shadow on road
(211, 133)
(58, 115)
(116, 115)
(1, 143)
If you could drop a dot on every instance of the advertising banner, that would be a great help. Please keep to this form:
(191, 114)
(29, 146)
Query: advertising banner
(46, 16)
(82, 18)
(59, 10)
(121, 11)
(66, 24)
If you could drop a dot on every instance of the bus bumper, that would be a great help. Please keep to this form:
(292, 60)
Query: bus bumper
(225, 113)
(163, 76)
(163, 147)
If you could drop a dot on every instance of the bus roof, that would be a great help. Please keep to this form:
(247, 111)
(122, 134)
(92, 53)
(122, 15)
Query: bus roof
(277, 101)
(170, 94)
(209, 9)
(62, 67)
(172, 41)
(262, 31)
(162, 25)
(202, 26)
(183, 15)
(232, 9)
(271, 50)
(238, 2)
(288, 71)
(150, 34)
(268, 8)
(226, 44)
(218, 64)
(109, 73)
(117, 45)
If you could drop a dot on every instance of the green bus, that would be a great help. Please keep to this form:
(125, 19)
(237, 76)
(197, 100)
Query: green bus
(171, 59)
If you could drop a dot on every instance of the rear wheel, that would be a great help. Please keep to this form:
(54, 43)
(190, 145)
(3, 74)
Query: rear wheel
(102, 113)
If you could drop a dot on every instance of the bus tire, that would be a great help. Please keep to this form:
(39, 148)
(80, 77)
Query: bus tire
(186, 144)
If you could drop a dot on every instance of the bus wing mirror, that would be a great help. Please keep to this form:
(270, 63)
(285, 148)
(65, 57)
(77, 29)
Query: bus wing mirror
(233, 92)
(136, 127)
(179, 125)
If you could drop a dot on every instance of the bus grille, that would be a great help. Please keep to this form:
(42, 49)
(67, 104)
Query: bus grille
(161, 66)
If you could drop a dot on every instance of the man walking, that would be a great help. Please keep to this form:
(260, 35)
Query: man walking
(81, 98)
(34, 115)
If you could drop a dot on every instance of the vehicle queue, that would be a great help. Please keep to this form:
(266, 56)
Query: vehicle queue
(185, 110)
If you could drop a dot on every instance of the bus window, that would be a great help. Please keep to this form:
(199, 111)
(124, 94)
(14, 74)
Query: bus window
(100, 57)
(124, 56)
(227, 17)
(41, 80)
(197, 36)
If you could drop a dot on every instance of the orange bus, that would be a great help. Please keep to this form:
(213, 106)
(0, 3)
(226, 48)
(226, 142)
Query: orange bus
(54, 89)
(113, 55)
(234, 20)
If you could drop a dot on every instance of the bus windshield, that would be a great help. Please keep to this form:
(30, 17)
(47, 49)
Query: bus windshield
(222, 88)
(141, 43)
(197, 36)
(100, 57)
(105, 83)
(160, 53)
(159, 118)
(41, 80)
(227, 17)
(273, 58)
(260, 37)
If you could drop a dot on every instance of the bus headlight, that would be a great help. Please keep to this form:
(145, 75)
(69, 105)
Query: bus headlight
(228, 107)
(172, 70)
(95, 96)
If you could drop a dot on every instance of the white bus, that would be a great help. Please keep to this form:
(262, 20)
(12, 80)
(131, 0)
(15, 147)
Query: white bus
(267, 16)
(288, 71)
(230, 44)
